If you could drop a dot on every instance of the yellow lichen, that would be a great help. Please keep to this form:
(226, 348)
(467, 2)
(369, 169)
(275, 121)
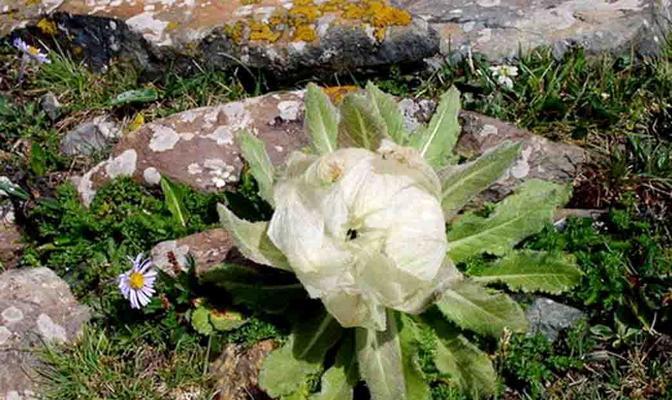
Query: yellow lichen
(337, 93)
(263, 31)
(304, 12)
(249, 2)
(77, 50)
(298, 23)
(172, 25)
(305, 33)
(33, 2)
(47, 27)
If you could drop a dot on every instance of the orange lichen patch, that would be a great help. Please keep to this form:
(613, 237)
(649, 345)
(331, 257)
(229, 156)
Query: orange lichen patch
(298, 23)
(305, 33)
(47, 27)
(263, 31)
(304, 11)
(337, 93)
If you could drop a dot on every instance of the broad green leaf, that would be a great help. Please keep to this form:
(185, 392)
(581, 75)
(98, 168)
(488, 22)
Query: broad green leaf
(386, 107)
(482, 310)
(269, 290)
(288, 368)
(254, 152)
(518, 216)
(321, 120)
(360, 125)
(416, 385)
(252, 240)
(315, 336)
(339, 380)
(282, 374)
(200, 321)
(531, 271)
(436, 141)
(173, 198)
(136, 96)
(380, 361)
(462, 183)
(465, 365)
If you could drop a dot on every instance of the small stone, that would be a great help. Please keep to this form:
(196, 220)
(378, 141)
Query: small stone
(10, 237)
(90, 137)
(35, 306)
(208, 248)
(549, 317)
(51, 106)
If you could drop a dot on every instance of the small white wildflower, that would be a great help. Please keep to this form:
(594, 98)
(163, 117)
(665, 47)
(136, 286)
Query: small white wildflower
(504, 74)
(604, 95)
(31, 52)
(137, 284)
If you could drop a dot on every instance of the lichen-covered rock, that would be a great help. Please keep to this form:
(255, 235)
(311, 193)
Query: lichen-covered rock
(501, 28)
(36, 307)
(237, 371)
(549, 317)
(208, 249)
(90, 137)
(197, 147)
(281, 36)
(540, 158)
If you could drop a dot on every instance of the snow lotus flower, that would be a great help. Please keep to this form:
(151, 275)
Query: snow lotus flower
(363, 230)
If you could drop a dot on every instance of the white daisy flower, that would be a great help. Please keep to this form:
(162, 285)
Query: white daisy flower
(137, 284)
(504, 74)
(31, 52)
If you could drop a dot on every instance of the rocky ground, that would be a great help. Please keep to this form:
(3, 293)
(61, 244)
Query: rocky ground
(137, 91)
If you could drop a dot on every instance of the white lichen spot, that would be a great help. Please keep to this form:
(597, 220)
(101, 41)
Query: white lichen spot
(161, 258)
(488, 130)
(13, 395)
(522, 167)
(279, 149)
(164, 138)
(468, 26)
(5, 334)
(220, 172)
(298, 46)
(194, 169)
(50, 331)
(85, 184)
(122, 165)
(152, 176)
(289, 110)
(189, 116)
(187, 136)
(152, 29)
(222, 135)
(11, 315)
(488, 3)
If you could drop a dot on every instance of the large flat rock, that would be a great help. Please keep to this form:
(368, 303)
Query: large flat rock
(36, 307)
(197, 147)
(501, 28)
(282, 36)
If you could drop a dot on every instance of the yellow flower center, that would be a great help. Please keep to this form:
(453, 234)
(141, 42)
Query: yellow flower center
(33, 50)
(137, 280)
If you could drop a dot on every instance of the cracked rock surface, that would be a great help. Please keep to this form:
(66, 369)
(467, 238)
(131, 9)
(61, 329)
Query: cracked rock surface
(501, 28)
(36, 307)
(280, 36)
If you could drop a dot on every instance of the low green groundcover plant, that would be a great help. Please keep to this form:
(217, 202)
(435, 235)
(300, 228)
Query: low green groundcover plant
(359, 222)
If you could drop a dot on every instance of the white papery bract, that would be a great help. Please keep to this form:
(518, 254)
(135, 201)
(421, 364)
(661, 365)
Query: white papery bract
(363, 231)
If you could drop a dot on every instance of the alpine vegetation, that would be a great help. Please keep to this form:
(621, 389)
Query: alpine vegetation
(370, 221)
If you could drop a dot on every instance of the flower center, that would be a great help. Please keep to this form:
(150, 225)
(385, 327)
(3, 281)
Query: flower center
(136, 280)
(33, 50)
(351, 234)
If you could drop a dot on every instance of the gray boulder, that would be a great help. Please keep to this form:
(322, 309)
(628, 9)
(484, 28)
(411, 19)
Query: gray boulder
(549, 317)
(36, 307)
